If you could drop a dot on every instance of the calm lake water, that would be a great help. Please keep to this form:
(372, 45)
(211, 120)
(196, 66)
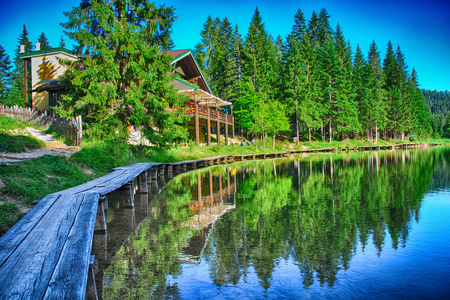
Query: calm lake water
(371, 225)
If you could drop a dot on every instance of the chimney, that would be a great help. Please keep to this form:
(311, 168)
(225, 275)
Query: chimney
(38, 46)
(22, 49)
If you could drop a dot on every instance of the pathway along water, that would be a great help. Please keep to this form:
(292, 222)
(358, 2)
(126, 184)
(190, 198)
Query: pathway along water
(359, 225)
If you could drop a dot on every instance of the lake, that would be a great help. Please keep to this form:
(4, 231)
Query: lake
(369, 225)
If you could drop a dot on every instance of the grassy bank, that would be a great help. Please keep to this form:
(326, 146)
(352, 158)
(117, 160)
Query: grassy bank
(14, 137)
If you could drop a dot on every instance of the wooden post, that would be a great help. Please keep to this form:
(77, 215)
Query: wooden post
(161, 170)
(100, 220)
(196, 121)
(220, 188)
(208, 125)
(218, 126)
(211, 193)
(226, 133)
(232, 126)
(199, 189)
(170, 171)
(142, 183)
(91, 289)
(128, 195)
(228, 181)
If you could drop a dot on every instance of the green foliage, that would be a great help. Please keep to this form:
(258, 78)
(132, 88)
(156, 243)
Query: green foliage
(16, 94)
(314, 75)
(270, 119)
(123, 81)
(42, 39)
(5, 75)
(103, 156)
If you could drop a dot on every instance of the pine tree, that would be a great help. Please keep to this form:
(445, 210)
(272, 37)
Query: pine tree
(361, 82)
(299, 27)
(405, 118)
(293, 76)
(391, 85)
(16, 96)
(42, 39)
(347, 122)
(236, 49)
(205, 49)
(421, 119)
(62, 44)
(311, 108)
(259, 56)
(123, 82)
(5, 75)
(376, 92)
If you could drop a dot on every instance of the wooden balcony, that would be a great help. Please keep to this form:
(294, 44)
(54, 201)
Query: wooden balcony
(214, 114)
(203, 121)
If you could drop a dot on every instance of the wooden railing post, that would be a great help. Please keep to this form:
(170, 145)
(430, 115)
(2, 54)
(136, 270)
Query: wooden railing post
(208, 124)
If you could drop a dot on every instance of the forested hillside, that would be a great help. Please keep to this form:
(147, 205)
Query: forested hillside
(313, 77)
(439, 103)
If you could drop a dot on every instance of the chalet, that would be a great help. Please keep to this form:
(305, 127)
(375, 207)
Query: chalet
(43, 91)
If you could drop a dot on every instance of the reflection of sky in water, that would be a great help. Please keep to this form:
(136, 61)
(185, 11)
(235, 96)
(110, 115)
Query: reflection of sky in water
(419, 270)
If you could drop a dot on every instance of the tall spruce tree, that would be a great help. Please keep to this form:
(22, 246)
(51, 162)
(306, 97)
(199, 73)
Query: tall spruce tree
(62, 44)
(347, 124)
(259, 56)
(42, 39)
(311, 108)
(293, 77)
(376, 91)
(420, 112)
(391, 85)
(16, 96)
(5, 75)
(124, 80)
(361, 83)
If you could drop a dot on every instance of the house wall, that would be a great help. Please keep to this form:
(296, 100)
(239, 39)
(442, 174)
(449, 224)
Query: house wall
(44, 69)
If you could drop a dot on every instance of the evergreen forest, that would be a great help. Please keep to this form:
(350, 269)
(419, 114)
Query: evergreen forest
(326, 89)
(309, 85)
(439, 103)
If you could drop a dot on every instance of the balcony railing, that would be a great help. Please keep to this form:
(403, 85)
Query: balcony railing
(214, 114)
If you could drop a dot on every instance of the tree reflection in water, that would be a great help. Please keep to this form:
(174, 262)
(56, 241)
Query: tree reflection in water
(248, 217)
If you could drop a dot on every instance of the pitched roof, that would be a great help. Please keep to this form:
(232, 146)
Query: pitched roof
(177, 53)
(186, 65)
(44, 52)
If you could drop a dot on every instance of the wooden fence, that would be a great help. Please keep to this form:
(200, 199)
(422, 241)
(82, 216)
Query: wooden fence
(70, 129)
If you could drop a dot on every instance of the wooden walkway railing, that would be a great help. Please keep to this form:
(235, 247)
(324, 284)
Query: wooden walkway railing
(47, 254)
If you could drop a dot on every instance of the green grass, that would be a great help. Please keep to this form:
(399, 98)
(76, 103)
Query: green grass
(19, 143)
(10, 142)
(35, 178)
(11, 124)
(9, 215)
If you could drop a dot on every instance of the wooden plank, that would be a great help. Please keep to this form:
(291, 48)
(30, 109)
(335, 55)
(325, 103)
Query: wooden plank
(14, 236)
(70, 275)
(27, 272)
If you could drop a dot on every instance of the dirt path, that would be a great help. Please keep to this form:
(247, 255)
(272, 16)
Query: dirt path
(53, 147)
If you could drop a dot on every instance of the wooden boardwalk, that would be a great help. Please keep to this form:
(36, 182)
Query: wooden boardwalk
(47, 254)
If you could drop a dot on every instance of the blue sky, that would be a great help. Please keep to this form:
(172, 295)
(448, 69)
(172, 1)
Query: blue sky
(421, 28)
